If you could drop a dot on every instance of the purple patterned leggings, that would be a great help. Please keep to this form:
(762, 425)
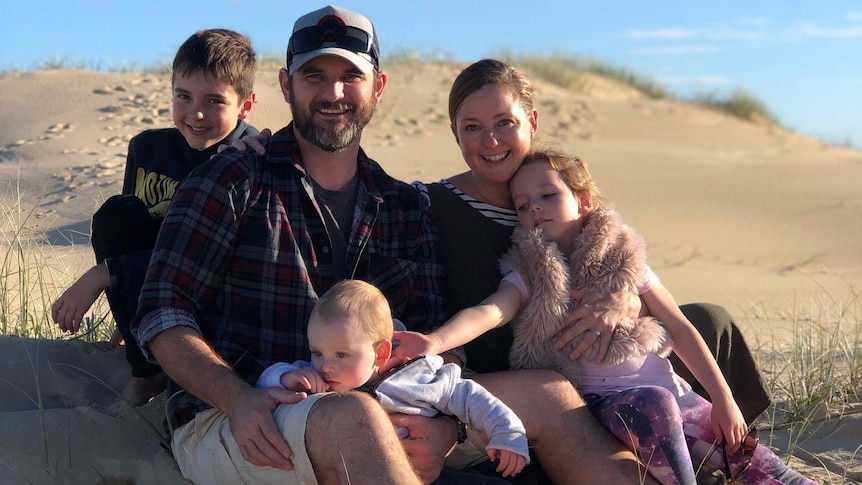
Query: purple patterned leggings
(673, 435)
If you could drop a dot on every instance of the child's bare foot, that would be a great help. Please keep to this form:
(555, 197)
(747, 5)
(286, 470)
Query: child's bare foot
(140, 390)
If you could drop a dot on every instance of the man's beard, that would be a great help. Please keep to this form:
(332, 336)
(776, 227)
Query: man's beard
(330, 139)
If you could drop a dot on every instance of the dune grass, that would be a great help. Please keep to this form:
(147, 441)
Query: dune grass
(818, 377)
(33, 275)
(815, 380)
(739, 103)
(569, 70)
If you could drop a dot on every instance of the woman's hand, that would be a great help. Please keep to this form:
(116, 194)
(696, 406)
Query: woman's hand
(597, 315)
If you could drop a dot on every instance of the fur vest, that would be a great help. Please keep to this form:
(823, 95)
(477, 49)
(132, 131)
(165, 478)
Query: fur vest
(608, 257)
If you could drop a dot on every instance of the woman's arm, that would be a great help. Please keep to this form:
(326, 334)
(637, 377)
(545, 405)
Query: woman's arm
(727, 419)
(596, 312)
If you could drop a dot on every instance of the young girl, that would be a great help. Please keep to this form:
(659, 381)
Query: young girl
(568, 241)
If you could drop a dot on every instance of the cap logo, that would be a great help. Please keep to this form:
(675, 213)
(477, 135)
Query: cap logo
(336, 35)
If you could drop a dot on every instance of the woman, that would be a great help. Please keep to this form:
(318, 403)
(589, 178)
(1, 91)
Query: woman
(494, 122)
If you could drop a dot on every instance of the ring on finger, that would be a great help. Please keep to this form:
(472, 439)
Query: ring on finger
(596, 332)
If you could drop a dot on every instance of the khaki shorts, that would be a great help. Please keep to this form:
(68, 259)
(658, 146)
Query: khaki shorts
(207, 453)
(469, 453)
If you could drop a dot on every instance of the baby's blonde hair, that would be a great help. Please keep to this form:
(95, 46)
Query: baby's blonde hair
(361, 303)
(573, 170)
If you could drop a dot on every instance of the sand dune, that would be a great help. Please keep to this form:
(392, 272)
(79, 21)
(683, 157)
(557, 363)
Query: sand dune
(750, 216)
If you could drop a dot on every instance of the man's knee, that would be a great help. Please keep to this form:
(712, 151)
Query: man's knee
(346, 406)
(343, 416)
(344, 429)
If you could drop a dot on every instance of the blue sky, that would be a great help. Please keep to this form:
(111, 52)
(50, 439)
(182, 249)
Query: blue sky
(801, 58)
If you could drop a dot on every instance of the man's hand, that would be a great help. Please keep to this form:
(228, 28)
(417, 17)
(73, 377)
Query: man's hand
(428, 443)
(597, 315)
(259, 439)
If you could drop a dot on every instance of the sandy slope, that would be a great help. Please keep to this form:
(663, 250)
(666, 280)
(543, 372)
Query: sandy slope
(751, 217)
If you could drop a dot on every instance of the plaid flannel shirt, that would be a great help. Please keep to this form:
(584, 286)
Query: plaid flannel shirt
(243, 255)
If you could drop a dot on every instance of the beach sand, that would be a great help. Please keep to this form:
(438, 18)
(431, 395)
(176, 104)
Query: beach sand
(753, 217)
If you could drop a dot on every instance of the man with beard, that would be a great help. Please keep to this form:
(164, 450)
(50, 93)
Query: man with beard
(246, 248)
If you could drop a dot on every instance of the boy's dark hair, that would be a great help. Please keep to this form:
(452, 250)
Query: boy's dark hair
(222, 55)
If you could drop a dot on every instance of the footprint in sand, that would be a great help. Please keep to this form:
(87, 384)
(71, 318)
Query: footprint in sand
(410, 126)
(436, 117)
(19, 143)
(114, 141)
(59, 127)
(56, 131)
(109, 90)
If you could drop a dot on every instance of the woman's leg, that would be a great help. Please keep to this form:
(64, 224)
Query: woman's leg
(570, 444)
(732, 354)
(648, 421)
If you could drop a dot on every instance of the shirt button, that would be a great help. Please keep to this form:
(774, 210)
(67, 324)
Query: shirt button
(325, 250)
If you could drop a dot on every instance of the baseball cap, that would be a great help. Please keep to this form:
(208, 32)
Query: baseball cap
(335, 31)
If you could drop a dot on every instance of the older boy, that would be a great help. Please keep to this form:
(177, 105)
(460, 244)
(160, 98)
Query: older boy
(212, 81)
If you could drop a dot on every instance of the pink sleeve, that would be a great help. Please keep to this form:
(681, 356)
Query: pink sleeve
(650, 279)
(515, 278)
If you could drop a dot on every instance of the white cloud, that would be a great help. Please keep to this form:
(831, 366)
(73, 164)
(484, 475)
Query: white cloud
(662, 34)
(704, 80)
(711, 33)
(733, 34)
(682, 50)
(752, 21)
(814, 32)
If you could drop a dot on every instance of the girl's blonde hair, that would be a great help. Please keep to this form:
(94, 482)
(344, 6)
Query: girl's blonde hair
(573, 171)
(361, 303)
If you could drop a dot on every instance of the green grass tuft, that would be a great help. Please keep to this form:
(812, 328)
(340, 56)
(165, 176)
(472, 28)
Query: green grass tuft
(739, 103)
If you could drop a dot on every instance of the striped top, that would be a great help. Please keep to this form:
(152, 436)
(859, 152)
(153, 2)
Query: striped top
(504, 217)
